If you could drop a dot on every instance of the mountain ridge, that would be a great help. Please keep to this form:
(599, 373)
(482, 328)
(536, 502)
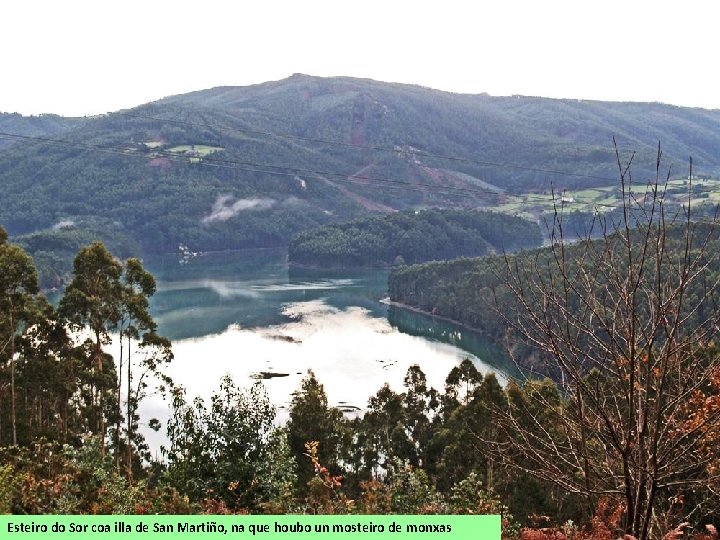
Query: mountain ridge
(249, 166)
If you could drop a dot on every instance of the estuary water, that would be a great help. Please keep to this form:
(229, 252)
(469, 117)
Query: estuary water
(249, 315)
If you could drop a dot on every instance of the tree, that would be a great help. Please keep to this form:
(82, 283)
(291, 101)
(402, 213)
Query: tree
(622, 323)
(461, 381)
(461, 439)
(47, 379)
(421, 405)
(311, 419)
(383, 429)
(18, 290)
(153, 351)
(93, 299)
(231, 451)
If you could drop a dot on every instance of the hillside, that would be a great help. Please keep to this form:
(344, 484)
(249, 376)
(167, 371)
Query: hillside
(45, 125)
(250, 166)
(476, 292)
(412, 237)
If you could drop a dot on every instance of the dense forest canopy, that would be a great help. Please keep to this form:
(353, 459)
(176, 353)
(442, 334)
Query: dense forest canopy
(248, 167)
(412, 237)
(473, 291)
(44, 125)
(70, 443)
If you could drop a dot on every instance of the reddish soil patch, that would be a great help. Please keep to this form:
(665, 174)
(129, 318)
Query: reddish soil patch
(161, 162)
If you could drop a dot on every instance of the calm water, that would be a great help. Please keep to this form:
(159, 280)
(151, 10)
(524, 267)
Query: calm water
(245, 313)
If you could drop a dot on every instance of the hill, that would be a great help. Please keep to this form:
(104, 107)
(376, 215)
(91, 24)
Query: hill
(250, 166)
(478, 292)
(44, 125)
(412, 237)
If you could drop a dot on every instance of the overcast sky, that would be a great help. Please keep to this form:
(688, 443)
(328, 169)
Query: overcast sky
(77, 57)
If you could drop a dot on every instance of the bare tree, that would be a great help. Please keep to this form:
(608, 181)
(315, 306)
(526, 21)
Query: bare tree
(624, 323)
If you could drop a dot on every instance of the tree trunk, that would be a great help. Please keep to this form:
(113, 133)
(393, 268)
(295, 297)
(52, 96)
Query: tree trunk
(13, 417)
(101, 393)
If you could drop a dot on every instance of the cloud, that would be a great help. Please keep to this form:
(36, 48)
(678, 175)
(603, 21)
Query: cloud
(63, 224)
(224, 208)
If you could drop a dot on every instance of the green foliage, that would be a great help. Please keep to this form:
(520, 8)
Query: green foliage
(47, 478)
(474, 292)
(390, 140)
(412, 491)
(44, 125)
(418, 451)
(53, 250)
(311, 419)
(9, 483)
(20, 309)
(93, 300)
(93, 297)
(412, 237)
(463, 289)
(231, 451)
(96, 486)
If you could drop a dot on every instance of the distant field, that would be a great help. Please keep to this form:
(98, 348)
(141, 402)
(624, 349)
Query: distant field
(153, 144)
(195, 151)
(531, 205)
(199, 150)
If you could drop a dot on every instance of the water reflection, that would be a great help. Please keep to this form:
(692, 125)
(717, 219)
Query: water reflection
(255, 289)
(418, 324)
(246, 314)
(352, 352)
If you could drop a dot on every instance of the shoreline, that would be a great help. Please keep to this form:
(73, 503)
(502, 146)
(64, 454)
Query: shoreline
(414, 309)
(514, 372)
(292, 264)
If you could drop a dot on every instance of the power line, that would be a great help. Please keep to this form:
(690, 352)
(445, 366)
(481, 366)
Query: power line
(397, 148)
(414, 152)
(249, 166)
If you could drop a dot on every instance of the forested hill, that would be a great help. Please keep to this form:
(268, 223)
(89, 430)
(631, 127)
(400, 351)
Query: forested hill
(475, 291)
(412, 237)
(44, 125)
(250, 166)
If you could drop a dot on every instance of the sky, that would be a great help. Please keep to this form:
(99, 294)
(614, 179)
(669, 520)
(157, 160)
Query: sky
(79, 57)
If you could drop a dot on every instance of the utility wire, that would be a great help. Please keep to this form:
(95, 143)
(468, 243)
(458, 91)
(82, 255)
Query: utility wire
(248, 166)
(414, 152)
(397, 148)
(277, 170)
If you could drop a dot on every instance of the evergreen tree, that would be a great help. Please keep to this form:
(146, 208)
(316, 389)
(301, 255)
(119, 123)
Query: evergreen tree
(311, 419)
(136, 324)
(18, 290)
(421, 405)
(230, 452)
(93, 300)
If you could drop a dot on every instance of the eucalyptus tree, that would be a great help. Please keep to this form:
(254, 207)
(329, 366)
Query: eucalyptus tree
(384, 429)
(93, 300)
(230, 451)
(421, 405)
(47, 378)
(460, 385)
(107, 295)
(18, 290)
(153, 351)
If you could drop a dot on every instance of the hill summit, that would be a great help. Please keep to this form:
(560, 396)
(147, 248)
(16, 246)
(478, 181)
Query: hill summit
(249, 166)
